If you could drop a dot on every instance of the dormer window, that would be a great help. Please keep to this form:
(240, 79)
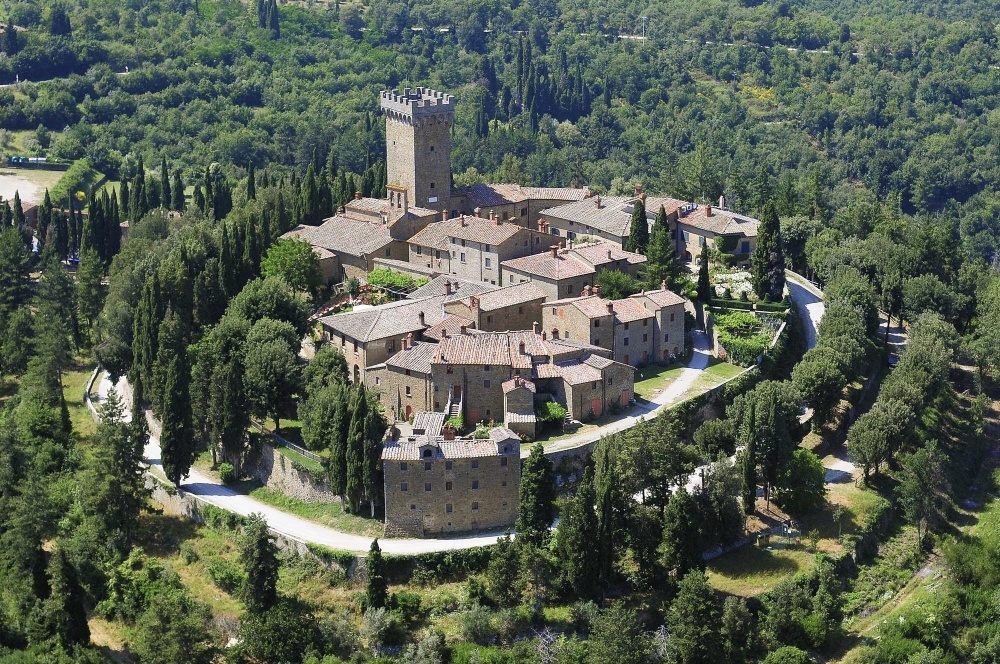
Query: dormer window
(428, 453)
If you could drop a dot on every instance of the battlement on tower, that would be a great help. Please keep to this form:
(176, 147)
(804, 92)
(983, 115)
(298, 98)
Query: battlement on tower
(416, 102)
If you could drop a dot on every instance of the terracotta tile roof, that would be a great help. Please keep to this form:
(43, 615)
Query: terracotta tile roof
(452, 323)
(460, 288)
(345, 236)
(722, 222)
(491, 195)
(472, 229)
(394, 319)
(415, 358)
(555, 193)
(428, 424)
(563, 266)
(662, 297)
(433, 235)
(614, 216)
(600, 253)
(543, 371)
(599, 362)
(509, 296)
(509, 385)
(519, 418)
(493, 348)
(372, 206)
(628, 310)
(409, 449)
(576, 372)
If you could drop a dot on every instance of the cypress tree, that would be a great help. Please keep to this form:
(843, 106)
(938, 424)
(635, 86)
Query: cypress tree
(170, 342)
(261, 14)
(177, 445)
(198, 198)
(575, 540)
(65, 605)
(663, 265)
(44, 219)
(608, 499)
(251, 251)
(165, 193)
(272, 20)
(375, 426)
(259, 557)
(310, 197)
(11, 44)
(177, 192)
(123, 199)
(682, 541)
(137, 195)
(18, 219)
(376, 586)
(767, 263)
(536, 498)
(747, 438)
(638, 236)
(251, 183)
(338, 442)
(112, 226)
(355, 453)
(704, 285)
(209, 201)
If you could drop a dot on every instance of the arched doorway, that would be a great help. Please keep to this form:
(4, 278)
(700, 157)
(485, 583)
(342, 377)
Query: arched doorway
(357, 374)
(408, 413)
(687, 256)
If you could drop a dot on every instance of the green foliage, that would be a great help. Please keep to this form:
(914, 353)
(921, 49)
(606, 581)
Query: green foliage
(294, 261)
(226, 473)
(225, 574)
(259, 557)
(616, 284)
(376, 585)
(550, 411)
(386, 278)
(801, 486)
(536, 497)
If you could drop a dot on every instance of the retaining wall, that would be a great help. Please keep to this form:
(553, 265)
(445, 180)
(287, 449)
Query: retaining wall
(276, 471)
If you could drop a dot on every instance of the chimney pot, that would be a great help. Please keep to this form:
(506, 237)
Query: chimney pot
(611, 307)
(597, 202)
(444, 335)
(520, 346)
(534, 329)
(587, 193)
(409, 337)
(447, 287)
(663, 285)
(638, 188)
(554, 249)
(708, 210)
(586, 290)
(357, 195)
(464, 222)
(642, 197)
(609, 254)
(543, 335)
(463, 328)
(444, 215)
(421, 318)
(478, 212)
(597, 289)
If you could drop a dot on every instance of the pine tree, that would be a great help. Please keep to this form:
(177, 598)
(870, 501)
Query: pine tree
(177, 192)
(704, 285)
(177, 444)
(575, 539)
(638, 236)
(376, 585)
(536, 498)
(165, 193)
(259, 557)
(355, 453)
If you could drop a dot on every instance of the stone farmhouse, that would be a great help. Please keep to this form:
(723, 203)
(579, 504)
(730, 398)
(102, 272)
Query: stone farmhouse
(487, 377)
(473, 247)
(639, 330)
(729, 232)
(435, 485)
(564, 272)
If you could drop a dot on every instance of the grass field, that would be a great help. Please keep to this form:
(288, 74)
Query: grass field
(652, 380)
(74, 383)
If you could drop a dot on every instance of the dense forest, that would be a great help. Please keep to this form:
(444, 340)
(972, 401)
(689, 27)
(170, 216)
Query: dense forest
(864, 137)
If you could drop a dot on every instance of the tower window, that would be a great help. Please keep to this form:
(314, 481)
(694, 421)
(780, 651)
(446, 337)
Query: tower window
(432, 185)
(432, 148)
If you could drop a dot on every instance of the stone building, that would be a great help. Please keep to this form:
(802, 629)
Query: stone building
(418, 126)
(508, 308)
(437, 486)
(403, 381)
(348, 247)
(605, 217)
(729, 232)
(641, 329)
(564, 272)
(473, 247)
(514, 203)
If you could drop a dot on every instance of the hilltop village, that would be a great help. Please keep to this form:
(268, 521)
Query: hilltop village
(510, 316)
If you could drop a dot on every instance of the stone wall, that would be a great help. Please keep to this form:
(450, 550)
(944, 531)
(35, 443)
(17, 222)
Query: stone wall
(278, 472)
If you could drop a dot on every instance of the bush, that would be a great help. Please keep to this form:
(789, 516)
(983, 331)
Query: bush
(386, 278)
(787, 655)
(550, 411)
(476, 625)
(187, 553)
(225, 574)
(227, 473)
(219, 519)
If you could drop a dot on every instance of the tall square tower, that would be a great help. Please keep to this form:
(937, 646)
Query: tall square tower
(418, 144)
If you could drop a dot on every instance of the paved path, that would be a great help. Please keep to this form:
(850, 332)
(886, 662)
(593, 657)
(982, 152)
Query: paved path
(809, 300)
(640, 411)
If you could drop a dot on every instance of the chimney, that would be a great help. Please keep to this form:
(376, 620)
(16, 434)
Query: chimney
(534, 328)
(708, 210)
(586, 290)
(663, 285)
(642, 197)
(464, 222)
(473, 302)
(587, 193)
(597, 289)
(444, 334)
(421, 318)
(409, 337)
(448, 433)
(520, 346)
(569, 245)
(638, 189)
(463, 328)
(341, 210)
(444, 215)
(597, 202)
(554, 249)
(543, 335)
(611, 307)
(541, 225)
(357, 195)
(722, 202)
(447, 287)
(478, 212)
(496, 218)
(609, 254)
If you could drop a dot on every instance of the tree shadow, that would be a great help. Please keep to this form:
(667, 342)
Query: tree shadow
(161, 535)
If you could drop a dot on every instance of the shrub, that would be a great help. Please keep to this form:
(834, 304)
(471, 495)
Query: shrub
(550, 411)
(225, 574)
(187, 553)
(227, 473)
(386, 278)
(476, 625)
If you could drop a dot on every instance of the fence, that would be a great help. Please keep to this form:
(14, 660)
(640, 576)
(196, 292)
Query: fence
(281, 441)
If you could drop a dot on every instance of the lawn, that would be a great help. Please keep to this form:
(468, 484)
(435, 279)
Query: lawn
(752, 570)
(328, 514)
(652, 380)
(302, 460)
(75, 380)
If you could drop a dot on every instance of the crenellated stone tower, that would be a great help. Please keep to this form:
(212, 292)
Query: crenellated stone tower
(418, 144)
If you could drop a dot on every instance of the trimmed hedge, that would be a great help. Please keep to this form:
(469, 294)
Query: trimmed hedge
(773, 306)
(730, 303)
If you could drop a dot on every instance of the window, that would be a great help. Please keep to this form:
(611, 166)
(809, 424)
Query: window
(701, 240)
(475, 507)
(488, 263)
(503, 464)
(570, 234)
(597, 323)
(625, 343)
(428, 454)
(489, 319)
(510, 280)
(593, 384)
(524, 211)
(420, 250)
(432, 185)
(565, 334)
(503, 483)
(463, 242)
(475, 463)
(671, 318)
(555, 231)
(388, 252)
(569, 289)
(666, 338)
(378, 380)
(520, 310)
(626, 326)
(437, 404)
(486, 384)
(427, 466)
(475, 484)
(645, 322)
(687, 236)
(506, 216)
(449, 464)
(403, 486)
(447, 486)
(487, 367)
(744, 247)
(486, 247)
(413, 507)
(611, 381)
(462, 257)
(447, 508)
(403, 467)
(432, 148)
(450, 369)
(645, 337)
(407, 387)
(427, 486)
